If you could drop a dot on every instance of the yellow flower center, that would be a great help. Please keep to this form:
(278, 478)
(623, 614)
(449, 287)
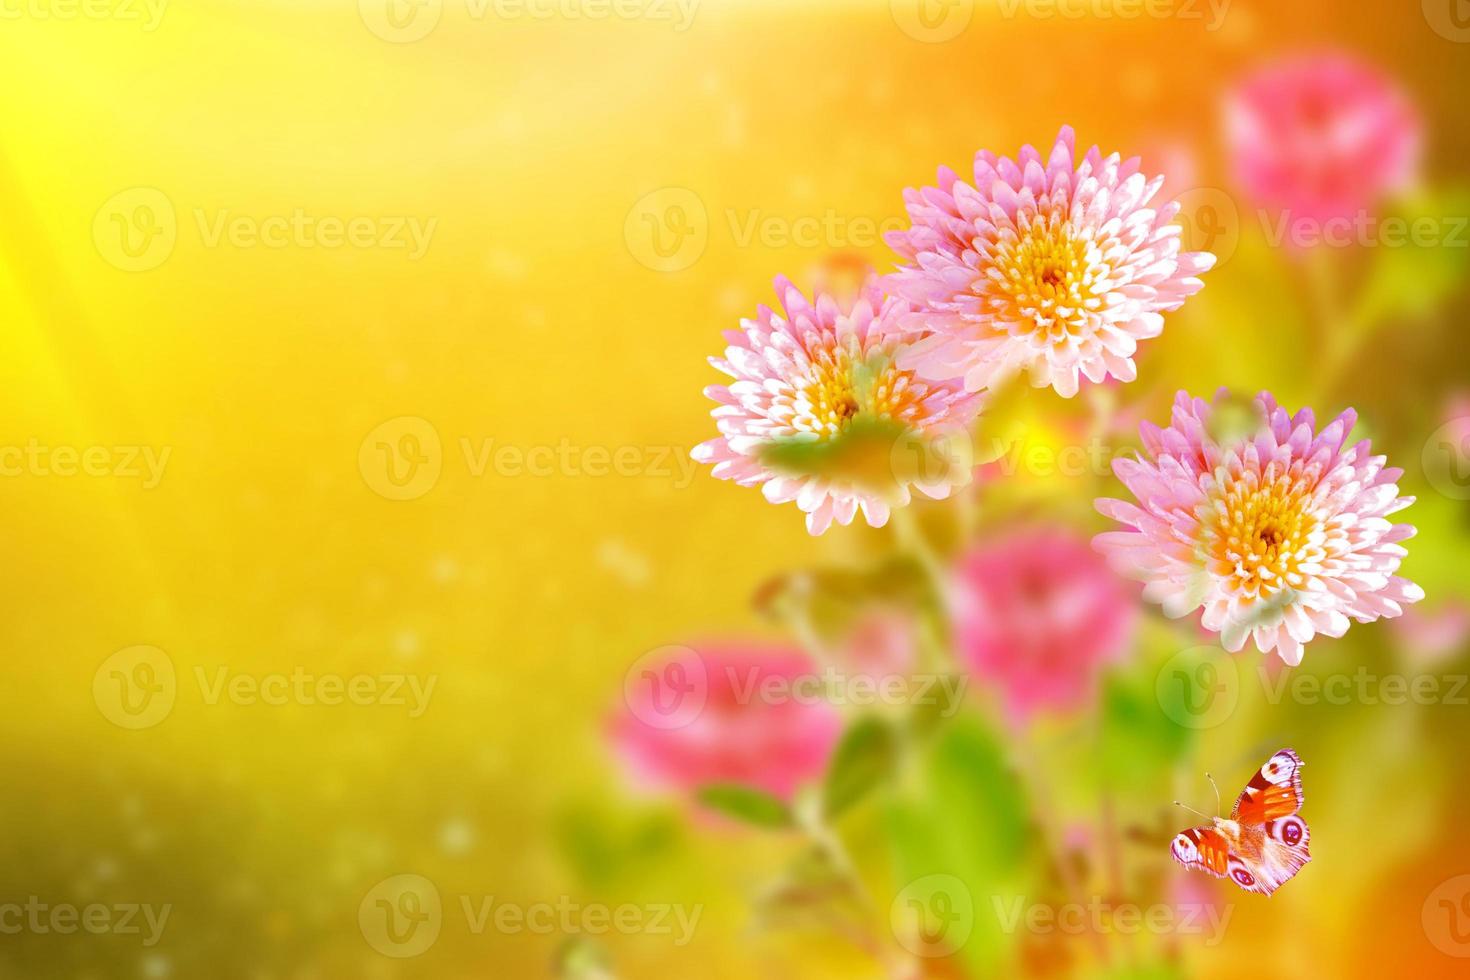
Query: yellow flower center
(840, 386)
(1262, 530)
(1047, 280)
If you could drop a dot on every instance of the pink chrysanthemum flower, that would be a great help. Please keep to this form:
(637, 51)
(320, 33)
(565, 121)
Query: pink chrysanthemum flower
(1052, 265)
(1278, 531)
(1322, 136)
(820, 413)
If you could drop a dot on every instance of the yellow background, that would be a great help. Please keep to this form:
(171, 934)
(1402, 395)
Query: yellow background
(533, 319)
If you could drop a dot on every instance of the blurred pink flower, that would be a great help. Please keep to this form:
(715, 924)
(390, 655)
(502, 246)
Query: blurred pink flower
(755, 720)
(1052, 265)
(814, 375)
(1276, 530)
(1037, 613)
(1430, 636)
(1322, 136)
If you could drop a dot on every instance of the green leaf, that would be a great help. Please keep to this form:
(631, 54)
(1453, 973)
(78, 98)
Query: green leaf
(862, 453)
(746, 804)
(864, 758)
(1138, 741)
(961, 816)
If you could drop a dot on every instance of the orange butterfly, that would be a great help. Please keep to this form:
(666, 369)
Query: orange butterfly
(1264, 843)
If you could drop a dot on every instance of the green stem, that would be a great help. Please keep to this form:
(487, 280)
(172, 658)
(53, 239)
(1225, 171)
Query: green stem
(822, 836)
(1335, 334)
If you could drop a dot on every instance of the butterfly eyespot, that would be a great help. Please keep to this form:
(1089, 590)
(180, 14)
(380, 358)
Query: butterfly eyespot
(1291, 833)
(1244, 877)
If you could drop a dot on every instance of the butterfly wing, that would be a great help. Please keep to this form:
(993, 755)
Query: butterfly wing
(1267, 828)
(1283, 850)
(1274, 792)
(1202, 848)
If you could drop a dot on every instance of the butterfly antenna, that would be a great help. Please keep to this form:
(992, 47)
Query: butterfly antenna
(1217, 792)
(1191, 809)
